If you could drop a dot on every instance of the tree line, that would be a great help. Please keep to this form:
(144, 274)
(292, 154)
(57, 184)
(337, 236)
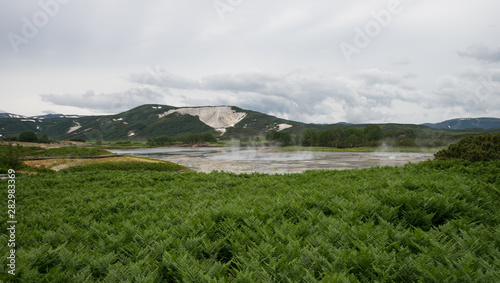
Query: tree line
(348, 137)
(29, 136)
(184, 139)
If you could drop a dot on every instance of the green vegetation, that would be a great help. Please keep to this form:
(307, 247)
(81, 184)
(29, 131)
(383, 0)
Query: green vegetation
(64, 151)
(9, 158)
(30, 136)
(183, 139)
(363, 149)
(163, 166)
(435, 221)
(473, 148)
(283, 138)
(348, 137)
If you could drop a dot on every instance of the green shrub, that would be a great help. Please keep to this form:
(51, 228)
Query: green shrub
(28, 136)
(10, 138)
(473, 148)
(283, 138)
(9, 158)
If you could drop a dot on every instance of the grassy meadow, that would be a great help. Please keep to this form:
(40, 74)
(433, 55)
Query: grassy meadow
(435, 221)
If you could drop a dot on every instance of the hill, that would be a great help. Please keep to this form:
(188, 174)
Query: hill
(10, 115)
(467, 123)
(148, 121)
(226, 122)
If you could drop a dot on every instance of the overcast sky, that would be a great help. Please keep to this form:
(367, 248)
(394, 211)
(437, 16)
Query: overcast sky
(316, 61)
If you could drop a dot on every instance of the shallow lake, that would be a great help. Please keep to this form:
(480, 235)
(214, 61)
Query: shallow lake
(271, 161)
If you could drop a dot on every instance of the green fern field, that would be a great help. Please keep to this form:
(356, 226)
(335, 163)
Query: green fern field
(427, 222)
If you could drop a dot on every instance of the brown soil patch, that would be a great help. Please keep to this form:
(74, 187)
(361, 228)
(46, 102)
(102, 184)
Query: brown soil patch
(59, 164)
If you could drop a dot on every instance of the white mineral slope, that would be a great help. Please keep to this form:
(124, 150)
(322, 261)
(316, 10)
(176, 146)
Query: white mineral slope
(74, 128)
(218, 117)
(282, 127)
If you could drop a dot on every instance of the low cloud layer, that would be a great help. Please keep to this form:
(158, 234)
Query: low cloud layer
(368, 95)
(300, 95)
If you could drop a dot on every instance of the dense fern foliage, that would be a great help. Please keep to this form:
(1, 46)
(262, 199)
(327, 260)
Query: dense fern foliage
(67, 151)
(426, 222)
(163, 166)
(473, 148)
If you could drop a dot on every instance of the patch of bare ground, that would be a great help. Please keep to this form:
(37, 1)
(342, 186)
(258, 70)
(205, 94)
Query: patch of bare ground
(59, 164)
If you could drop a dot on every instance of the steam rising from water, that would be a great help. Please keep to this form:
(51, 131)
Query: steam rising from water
(268, 160)
(262, 154)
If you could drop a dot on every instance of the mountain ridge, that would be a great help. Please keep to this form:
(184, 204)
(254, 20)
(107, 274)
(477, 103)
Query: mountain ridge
(467, 123)
(145, 121)
(152, 120)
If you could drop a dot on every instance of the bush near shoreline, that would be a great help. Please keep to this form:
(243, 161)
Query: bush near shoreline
(473, 148)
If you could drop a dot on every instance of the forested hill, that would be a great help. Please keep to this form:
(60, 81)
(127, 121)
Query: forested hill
(148, 121)
(226, 122)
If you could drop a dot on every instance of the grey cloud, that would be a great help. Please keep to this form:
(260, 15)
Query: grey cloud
(482, 52)
(160, 77)
(306, 96)
(476, 91)
(110, 103)
(239, 82)
(376, 76)
(300, 95)
(401, 61)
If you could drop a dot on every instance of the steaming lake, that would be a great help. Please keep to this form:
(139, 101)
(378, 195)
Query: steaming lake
(264, 160)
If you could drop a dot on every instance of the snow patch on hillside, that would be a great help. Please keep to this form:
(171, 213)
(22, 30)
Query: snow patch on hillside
(218, 117)
(74, 128)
